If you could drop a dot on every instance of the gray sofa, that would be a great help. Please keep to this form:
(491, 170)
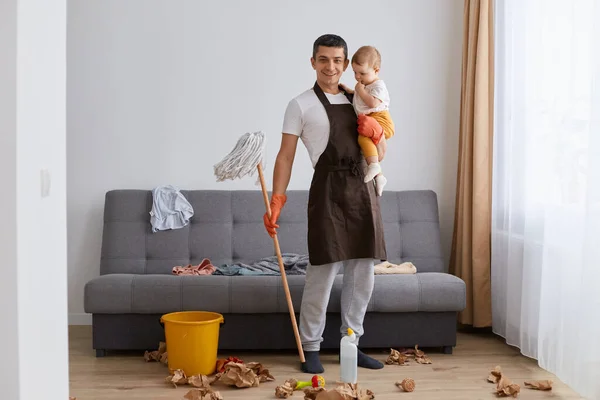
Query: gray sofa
(136, 285)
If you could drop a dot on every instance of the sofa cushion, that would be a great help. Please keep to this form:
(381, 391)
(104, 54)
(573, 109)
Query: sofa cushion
(159, 293)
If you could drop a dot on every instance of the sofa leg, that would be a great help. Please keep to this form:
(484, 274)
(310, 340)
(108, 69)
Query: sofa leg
(100, 352)
(447, 349)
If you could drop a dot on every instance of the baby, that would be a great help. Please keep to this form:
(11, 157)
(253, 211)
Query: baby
(371, 98)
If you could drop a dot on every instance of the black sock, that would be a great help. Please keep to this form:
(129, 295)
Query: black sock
(313, 363)
(367, 362)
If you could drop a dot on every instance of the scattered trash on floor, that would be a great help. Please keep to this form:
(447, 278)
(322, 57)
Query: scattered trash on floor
(504, 386)
(201, 394)
(221, 363)
(396, 358)
(401, 357)
(159, 355)
(495, 375)
(245, 375)
(201, 381)
(287, 389)
(230, 371)
(234, 374)
(407, 384)
(177, 378)
(343, 391)
(539, 385)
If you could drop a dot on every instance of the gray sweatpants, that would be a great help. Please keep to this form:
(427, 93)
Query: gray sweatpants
(357, 288)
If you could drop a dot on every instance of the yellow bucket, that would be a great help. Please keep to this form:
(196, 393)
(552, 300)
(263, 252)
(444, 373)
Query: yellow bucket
(192, 339)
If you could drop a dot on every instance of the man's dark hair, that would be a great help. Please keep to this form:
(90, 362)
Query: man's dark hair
(330, 40)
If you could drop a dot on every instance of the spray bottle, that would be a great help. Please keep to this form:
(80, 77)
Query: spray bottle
(348, 358)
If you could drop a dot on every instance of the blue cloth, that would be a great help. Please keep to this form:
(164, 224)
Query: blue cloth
(294, 264)
(170, 209)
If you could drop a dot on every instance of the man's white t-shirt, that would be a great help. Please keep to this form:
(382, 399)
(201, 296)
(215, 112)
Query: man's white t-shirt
(306, 117)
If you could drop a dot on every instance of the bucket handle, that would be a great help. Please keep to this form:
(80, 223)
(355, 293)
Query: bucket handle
(221, 322)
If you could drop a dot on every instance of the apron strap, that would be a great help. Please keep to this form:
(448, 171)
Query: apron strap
(319, 92)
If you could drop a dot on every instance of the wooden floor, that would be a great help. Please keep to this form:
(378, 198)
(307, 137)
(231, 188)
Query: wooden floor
(462, 375)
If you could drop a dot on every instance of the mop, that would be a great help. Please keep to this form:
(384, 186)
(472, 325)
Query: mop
(245, 159)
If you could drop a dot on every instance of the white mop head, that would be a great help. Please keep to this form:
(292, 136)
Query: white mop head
(243, 159)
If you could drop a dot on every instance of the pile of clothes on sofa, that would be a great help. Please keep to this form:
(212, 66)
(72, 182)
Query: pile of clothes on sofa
(294, 264)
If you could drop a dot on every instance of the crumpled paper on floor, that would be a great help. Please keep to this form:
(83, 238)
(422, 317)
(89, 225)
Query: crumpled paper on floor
(177, 378)
(504, 386)
(239, 375)
(396, 358)
(222, 362)
(407, 384)
(286, 390)
(402, 357)
(202, 381)
(159, 355)
(234, 374)
(420, 356)
(344, 391)
(311, 393)
(201, 394)
(263, 373)
(539, 385)
(495, 375)
(243, 375)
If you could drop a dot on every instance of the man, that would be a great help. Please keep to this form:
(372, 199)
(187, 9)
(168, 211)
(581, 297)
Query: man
(344, 221)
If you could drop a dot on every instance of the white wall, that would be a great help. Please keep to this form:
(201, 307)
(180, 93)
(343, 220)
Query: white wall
(9, 372)
(33, 236)
(158, 92)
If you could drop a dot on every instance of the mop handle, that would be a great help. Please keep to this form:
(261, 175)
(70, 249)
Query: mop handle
(281, 268)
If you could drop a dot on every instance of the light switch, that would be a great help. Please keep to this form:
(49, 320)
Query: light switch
(45, 181)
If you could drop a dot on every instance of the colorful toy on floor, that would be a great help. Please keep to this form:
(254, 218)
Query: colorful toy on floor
(316, 382)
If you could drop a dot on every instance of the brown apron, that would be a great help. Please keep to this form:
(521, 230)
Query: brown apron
(344, 219)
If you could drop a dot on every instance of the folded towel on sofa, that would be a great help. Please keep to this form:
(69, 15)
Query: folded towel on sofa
(389, 268)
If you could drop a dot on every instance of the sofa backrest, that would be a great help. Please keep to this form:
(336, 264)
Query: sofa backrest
(227, 227)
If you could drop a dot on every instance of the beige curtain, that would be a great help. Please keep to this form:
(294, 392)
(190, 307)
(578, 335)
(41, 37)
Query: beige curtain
(471, 253)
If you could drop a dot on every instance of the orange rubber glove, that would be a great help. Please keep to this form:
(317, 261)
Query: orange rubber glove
(369, 127)
(277, 203)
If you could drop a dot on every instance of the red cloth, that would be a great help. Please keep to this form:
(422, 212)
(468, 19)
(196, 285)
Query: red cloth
(204, 268)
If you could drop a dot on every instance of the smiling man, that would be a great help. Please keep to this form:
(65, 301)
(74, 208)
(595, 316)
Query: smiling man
(345, 229)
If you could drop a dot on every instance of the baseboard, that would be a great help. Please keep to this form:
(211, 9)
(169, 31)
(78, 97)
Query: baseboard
(80, 319)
